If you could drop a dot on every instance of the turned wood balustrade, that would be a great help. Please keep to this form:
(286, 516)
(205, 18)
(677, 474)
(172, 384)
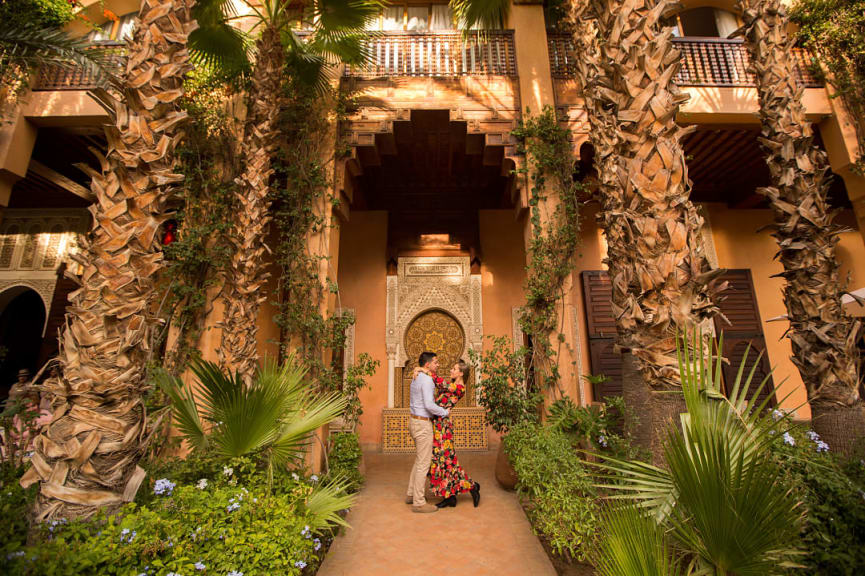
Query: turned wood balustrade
(705, 62)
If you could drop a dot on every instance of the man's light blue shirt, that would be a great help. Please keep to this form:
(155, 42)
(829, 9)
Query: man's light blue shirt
(423, 397)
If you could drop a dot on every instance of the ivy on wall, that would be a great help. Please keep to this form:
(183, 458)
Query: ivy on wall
(555, 223)
(303, 199)
(834, 32)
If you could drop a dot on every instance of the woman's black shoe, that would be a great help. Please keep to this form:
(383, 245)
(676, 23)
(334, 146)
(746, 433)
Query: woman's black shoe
(476, 494)
(449, 501)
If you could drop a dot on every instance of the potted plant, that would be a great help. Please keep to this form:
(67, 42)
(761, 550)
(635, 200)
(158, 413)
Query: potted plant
(505, 395)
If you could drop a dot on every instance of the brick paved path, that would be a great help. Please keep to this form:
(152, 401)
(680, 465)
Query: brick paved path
(387, 539)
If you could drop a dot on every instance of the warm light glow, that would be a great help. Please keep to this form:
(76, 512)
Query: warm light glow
(436, 241)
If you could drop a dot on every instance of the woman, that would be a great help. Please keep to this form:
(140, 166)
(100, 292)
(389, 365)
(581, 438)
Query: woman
(447, 477)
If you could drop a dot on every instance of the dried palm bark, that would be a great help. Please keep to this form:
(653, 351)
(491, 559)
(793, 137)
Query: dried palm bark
(86, 458)
(823, 337)
(246, 276)
(660, 277)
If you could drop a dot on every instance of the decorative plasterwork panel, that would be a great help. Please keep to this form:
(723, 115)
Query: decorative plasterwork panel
(433, 283)
(516, 329)
(348, 347)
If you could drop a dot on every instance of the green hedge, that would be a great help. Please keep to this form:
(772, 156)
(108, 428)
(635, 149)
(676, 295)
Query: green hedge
(344, 459)
(558, 489)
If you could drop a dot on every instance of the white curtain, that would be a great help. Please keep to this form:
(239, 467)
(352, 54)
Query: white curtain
(726, 22)
(127, 25)
(392, 18)
(102, 33)
(442, 17)
(418, 18)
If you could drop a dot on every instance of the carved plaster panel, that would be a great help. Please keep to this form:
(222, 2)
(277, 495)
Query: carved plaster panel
(430, 283)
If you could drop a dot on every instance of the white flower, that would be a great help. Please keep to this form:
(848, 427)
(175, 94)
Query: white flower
(202, 484)
(777, 414)
(822, 446)
(235, 573)
(199, 565)
(813, 435)
(300, 564)
(314, 478)
(226, 471)
(789, 439)
(317, 543)
(295, 476)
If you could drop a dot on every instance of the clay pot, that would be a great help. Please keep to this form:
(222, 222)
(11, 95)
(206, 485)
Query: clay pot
(505, 473)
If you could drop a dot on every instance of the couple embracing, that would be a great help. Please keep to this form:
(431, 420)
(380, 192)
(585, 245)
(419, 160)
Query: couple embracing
(432, 431)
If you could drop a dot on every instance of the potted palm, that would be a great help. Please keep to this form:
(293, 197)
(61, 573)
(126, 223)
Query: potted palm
(506, 395)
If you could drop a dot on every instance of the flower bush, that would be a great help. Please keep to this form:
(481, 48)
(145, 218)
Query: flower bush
(833, 496)
(218, 529)
(556, 487)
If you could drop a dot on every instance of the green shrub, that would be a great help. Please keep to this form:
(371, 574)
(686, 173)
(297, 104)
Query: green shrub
(344, 459)
(557, 487)
(597, 428)
(15, 503)
(40, 12)
(222, 527)
(833, 494)
(503, 392)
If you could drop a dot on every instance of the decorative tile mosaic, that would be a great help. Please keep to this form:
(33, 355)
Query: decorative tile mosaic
(470, 432)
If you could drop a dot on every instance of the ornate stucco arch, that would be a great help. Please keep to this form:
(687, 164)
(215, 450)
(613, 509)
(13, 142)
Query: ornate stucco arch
(430, 283)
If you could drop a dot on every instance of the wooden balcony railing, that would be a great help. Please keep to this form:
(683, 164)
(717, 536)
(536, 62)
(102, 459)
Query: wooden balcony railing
(74, 77)
(439, 54)
(705, 62)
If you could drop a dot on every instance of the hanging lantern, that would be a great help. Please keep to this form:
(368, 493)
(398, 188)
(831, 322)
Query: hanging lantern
(169, 232)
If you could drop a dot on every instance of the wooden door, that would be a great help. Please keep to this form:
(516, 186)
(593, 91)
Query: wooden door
(601, 330)
(439, 332)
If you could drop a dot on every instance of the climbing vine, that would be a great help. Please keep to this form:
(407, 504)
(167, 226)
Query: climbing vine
(834, 32)
(302, 202)
(199, 251)
(554, 215)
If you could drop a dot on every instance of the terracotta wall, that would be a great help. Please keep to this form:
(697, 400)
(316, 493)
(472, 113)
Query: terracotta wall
(503, 270)
(363, 286)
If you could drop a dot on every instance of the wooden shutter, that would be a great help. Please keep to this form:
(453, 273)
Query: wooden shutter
(601, 329)
(740, 308)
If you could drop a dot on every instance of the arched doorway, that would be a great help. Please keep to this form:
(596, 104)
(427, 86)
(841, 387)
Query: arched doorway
(439, 332)
(22, 320)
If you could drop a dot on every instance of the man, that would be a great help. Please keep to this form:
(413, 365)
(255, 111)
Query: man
(422, 408)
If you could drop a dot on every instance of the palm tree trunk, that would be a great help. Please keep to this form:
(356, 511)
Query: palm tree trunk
(658, 268)
(86, 458)
(246, 277)
(823, 337)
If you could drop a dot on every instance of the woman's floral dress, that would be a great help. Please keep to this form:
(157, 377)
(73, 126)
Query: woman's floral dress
(447, 477)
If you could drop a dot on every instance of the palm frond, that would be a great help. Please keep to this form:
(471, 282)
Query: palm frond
(184, 408)
(310, 416)
(327, 500)
(480, 14)
(29, 45)
(633, 544)
(333, 15)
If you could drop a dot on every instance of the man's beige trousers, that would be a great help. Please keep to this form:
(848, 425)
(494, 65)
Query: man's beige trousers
(422, 433)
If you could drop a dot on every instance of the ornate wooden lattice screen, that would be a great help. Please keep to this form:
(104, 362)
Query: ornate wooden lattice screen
(739, 306)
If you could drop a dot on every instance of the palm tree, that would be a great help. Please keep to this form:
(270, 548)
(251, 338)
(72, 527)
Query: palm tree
(823, 337)
(337, 29)
(658, 268)
(87, 456)
(719, 505)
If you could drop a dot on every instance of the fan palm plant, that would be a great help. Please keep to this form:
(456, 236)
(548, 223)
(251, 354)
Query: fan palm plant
(271, 418)
(721, 497)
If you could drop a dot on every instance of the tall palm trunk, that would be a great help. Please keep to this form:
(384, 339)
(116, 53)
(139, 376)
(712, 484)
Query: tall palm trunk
(87, 456)
(658, 268)
(822, 336)
(246, 277)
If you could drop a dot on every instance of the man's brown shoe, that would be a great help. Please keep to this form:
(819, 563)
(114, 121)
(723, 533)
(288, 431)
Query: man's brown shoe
(425, 509)
(409, 500)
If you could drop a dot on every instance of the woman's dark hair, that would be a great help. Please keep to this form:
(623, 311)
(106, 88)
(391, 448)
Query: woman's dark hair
(425, 358)
(465, 369)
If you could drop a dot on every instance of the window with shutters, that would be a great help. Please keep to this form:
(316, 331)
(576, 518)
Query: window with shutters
(745, 329)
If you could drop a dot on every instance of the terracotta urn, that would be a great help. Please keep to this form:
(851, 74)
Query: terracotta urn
(505, 473)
